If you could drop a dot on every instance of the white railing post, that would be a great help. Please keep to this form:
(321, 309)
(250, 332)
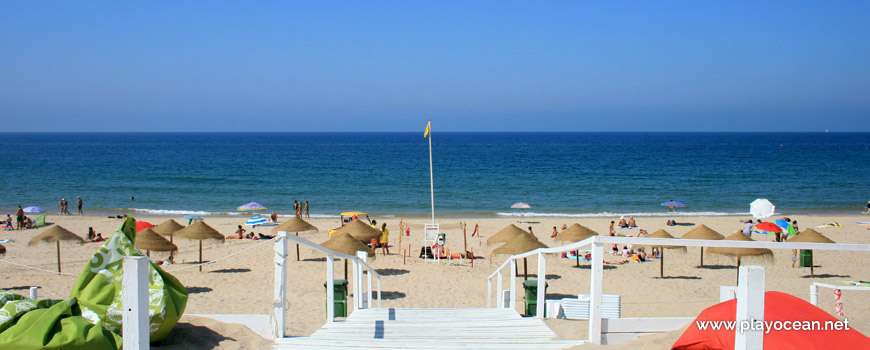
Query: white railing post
(595, 290)
(513, 293)
(542, 285)
(499, 294)
(136, 321)
(357, 291)
(279, 304)
(363, 303)
(489, 292)
(34, 293)
(330, 289)
(750, 308)
(379, 291)
(814, 294)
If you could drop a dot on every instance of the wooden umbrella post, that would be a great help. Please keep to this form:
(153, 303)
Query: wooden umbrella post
(577, 255)
(525, 270)
(702, 256)
(738, 270)
(297, 248)
(200, 255)
(58, 256)
(464, 239)
(345, 269)
(662, 262)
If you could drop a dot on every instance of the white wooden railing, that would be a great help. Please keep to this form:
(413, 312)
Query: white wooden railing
(362, 294)
(597, 270)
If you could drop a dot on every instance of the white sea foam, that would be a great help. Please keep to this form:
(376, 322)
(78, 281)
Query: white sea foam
(610, 214)
(172, 212)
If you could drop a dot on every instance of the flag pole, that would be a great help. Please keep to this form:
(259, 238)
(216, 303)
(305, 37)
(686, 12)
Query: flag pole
(431, 178)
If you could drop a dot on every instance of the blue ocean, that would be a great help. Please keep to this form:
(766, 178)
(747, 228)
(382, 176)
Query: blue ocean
(475, 174)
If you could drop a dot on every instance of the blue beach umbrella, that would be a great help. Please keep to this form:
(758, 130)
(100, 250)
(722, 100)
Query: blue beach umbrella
(782, 223)
(257, 220)
(34, 210)
(251, 206)
(673, 204)
(191, 218)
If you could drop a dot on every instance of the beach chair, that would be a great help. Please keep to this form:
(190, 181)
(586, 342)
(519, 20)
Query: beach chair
(578, 308)
(39, 220)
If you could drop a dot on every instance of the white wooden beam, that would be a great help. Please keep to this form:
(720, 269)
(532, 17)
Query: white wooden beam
(279, 303)
(330, 289)
(750, 309)
(134, 298)
(542, 285)
(595, 291)
(513, 286)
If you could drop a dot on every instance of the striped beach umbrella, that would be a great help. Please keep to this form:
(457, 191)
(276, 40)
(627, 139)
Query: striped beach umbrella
(257, 220)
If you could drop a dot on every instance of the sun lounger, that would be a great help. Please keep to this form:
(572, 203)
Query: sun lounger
(578, 308)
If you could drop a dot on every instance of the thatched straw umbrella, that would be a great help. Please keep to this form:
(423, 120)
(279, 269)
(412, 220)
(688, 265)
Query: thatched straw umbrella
(149, 240)
(575, 233)
(342, 242)
(739, 252)
(703, 232)
(664, 234)
(811, 236)
(521, 244)
(360, 230)
(296, 224)
(505, 234)
(55, 234)
(199, 231)
(168, 228)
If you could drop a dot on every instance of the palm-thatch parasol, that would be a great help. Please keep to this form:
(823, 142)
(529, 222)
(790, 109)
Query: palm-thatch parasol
(575, 233)
(703, 232)
(521, 244)
(739, 252)
(506, 234)
(199, 231)
(664, 234)
(168, 228)
(342, 242)
(149, 240)
(359, 230)
(811, 236)
(296, 224)
(55, 234)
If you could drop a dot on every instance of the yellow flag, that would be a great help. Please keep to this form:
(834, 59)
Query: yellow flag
(428, 125)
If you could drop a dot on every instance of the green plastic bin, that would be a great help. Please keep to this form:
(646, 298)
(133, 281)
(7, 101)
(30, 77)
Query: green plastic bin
(531, 288)
(806, 258)
(339, 297)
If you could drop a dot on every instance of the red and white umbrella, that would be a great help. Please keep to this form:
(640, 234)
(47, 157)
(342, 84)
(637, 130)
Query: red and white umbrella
(521, 206)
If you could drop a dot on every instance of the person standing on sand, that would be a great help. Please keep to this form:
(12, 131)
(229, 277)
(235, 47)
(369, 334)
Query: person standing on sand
(19, 218)
(385, 239)
(295, 208)
(868, 207)
(309, 216)
(555, 232)
(79, 205)
(60, 205)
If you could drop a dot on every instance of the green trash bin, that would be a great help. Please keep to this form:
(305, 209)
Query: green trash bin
(339, 297)
(806, 258)
(531, 299)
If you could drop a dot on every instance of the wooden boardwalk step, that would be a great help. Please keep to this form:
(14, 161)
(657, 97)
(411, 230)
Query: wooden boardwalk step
(418, 328)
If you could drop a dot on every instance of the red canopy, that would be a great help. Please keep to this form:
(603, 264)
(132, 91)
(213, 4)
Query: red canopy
(141, 225)
(781, 307)
(769, 227)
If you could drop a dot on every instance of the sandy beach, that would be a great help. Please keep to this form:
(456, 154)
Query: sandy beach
(243, 283)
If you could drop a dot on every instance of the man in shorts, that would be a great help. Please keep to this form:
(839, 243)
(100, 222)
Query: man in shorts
(19, 217)
(79, 205)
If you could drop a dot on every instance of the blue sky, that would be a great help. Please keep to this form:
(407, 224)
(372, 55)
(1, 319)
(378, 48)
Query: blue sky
(468, 65)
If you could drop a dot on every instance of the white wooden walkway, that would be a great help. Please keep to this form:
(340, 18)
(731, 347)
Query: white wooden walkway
(485, 328)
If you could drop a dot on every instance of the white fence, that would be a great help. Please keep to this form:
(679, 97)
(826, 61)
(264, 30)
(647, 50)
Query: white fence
(362, 293)
(597, 270)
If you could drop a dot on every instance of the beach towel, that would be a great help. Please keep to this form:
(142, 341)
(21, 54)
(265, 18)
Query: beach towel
(7, 240)
(98, 288)
(49, 324)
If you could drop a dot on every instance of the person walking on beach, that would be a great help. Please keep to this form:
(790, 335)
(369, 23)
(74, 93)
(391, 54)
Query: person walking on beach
(307, 216)
(19, 218)
(60, 205)
(79, 205)
(868, 207)
(295, 208)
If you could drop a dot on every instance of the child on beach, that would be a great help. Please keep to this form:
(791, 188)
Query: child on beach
(555, 232)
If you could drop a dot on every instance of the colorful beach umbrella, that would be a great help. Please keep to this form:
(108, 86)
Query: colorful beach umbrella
(761, 208)
(251, 207)
(141, 225)
(521, 206)
(769, 227)
(34, 210)
(782, 223)
(673, 204)
(256, 220)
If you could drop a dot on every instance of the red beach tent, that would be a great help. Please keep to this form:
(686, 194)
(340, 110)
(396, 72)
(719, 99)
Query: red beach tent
(141, 225)
(778, 306)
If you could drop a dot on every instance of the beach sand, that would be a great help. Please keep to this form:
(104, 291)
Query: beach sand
(243, 283)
